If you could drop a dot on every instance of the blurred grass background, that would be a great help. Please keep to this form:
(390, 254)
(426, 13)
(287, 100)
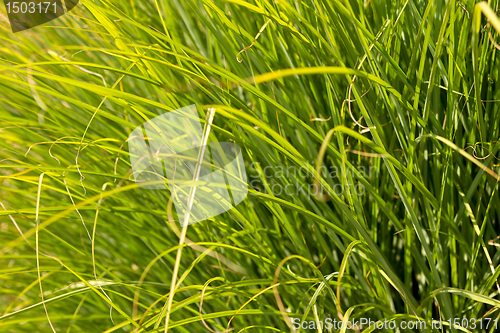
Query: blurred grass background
(406, 89)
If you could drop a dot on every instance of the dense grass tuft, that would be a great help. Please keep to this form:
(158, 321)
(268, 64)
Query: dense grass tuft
(370, 132)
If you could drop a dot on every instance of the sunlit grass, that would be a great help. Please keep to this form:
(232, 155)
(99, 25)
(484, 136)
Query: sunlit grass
(370, 135)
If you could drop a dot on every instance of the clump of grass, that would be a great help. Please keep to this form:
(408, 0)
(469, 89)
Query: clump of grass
(387, 112)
